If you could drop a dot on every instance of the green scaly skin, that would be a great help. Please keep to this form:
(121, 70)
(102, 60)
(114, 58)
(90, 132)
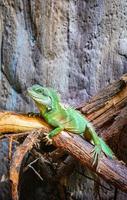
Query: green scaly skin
(48, 103)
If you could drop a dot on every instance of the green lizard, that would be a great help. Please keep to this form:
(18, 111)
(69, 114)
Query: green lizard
(61, 118)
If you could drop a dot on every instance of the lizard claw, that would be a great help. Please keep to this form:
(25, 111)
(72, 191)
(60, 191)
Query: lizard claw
(46, 139)
(96, 151)
(32, 114)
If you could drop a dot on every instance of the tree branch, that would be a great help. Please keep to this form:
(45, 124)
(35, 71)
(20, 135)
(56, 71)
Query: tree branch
(103, 108)
(104, 111)
(81, 150)
(17, 159)
(78, 148)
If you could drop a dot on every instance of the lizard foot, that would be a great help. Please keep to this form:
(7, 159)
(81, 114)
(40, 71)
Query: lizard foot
(46, 139)
(96, 152)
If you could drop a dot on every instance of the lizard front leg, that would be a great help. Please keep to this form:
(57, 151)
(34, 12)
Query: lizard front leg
(51, 134)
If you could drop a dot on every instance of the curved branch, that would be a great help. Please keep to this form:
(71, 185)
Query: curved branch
(105, 111)
(78, 148)
(17, 159)
(81, 150)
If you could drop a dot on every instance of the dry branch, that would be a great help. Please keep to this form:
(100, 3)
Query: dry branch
(108, 113)
(104, 111)
(13, 122)
(107, 104)
(17, 159)
(80, 149)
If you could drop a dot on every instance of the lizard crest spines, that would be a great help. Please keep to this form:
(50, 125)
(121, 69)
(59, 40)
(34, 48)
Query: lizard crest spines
(61, 118)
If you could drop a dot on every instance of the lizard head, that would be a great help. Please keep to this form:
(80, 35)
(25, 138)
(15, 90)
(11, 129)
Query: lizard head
(43, 95)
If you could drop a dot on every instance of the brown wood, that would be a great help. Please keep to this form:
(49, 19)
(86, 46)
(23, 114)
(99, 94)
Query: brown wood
(107, 104)
(80, 149)
(13, 122)
(107, 111)
(17, 159)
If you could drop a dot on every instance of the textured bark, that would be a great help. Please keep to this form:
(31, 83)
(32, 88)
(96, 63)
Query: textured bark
(12, 122)
(78, 148)
(108, 112)
(17, 161)
(117, 173)
(82, 42)
(96, 110)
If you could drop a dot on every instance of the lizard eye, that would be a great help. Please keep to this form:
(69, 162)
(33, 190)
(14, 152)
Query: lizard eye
(39, 91)
(45, 93)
